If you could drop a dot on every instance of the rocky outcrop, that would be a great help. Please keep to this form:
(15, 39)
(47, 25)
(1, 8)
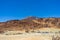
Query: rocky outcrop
(30, 23)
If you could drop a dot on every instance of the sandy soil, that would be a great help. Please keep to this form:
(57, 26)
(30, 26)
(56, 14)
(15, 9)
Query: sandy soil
(29, 36)
(25, 37)
(32, 36)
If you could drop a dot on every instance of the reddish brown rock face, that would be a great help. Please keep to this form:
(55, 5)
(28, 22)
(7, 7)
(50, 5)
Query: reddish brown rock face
(30, 23)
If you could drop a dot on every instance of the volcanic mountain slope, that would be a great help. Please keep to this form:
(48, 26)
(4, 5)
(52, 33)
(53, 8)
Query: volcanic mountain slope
(30, 23)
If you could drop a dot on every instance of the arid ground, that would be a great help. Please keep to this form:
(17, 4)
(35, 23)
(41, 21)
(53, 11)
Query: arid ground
(33, 36)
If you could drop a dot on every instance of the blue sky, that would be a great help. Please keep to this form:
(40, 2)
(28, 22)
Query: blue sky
(18, 9)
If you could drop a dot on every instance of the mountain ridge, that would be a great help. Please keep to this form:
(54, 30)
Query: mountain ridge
(30, 23)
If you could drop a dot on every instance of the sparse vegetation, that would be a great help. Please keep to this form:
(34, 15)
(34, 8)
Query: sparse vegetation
(56, 38)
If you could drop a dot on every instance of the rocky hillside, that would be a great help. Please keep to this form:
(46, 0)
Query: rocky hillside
(29, 23)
